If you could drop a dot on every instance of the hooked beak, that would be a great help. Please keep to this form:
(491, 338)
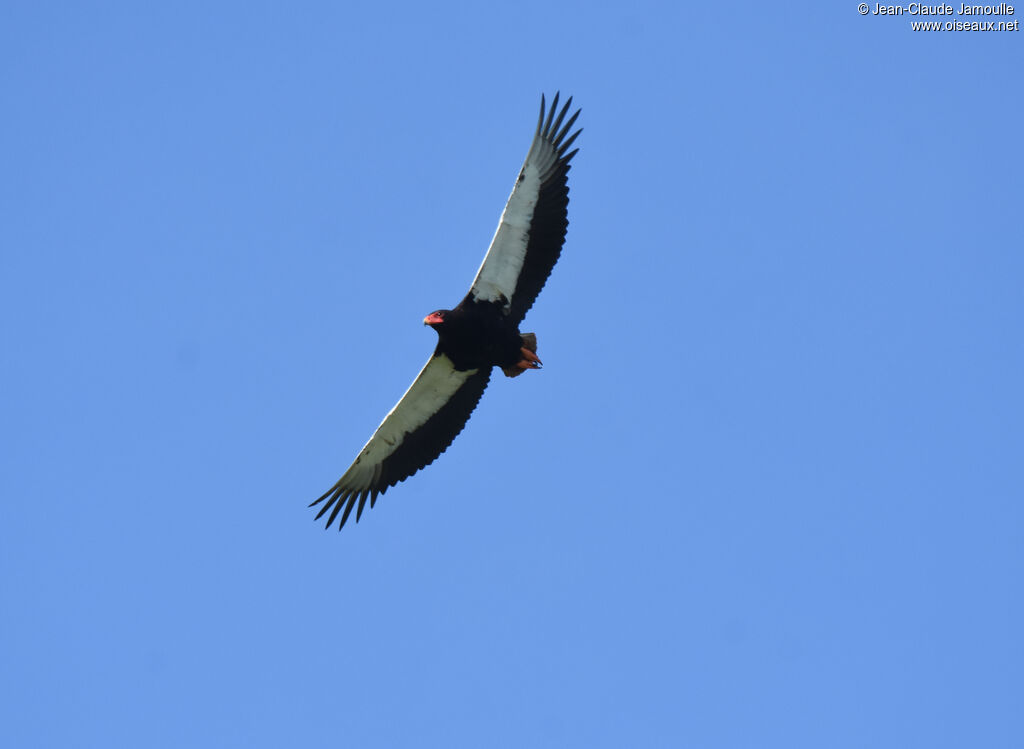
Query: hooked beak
(433, 319)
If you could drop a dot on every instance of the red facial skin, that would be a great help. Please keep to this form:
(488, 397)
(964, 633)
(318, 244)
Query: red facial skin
(433, 319)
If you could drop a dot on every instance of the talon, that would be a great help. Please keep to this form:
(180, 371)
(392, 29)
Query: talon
(530, 357)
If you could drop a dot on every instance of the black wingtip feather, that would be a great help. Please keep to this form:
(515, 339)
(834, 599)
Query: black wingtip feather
(342, 496)
(561, 116)
(362, 503)
(558, 138)
(322, 497)
(554, 128)
(349, 504)
(551, 114)
(333, 493)
(562, 148)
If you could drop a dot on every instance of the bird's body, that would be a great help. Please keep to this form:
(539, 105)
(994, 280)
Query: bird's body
(480, 333)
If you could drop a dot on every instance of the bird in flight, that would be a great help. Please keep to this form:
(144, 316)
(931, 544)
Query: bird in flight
(482, 331)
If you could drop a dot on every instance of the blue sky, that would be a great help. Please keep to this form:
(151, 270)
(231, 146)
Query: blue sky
(766, 491)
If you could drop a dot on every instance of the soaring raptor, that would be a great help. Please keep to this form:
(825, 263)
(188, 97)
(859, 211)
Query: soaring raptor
(482, 331)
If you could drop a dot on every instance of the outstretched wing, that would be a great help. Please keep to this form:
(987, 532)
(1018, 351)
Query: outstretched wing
(530, 234)
(420, 427)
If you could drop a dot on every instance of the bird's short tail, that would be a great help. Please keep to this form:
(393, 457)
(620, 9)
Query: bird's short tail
(529, 360)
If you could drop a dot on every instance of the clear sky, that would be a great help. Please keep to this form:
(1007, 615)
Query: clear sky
(766, 492)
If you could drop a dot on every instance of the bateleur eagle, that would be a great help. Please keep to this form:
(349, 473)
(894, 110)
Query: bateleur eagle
(482, 332)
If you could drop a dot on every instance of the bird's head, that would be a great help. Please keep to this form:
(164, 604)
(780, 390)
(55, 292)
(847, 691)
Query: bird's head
(436, 318)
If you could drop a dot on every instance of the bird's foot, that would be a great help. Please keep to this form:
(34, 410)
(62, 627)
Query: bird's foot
(529, 360)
